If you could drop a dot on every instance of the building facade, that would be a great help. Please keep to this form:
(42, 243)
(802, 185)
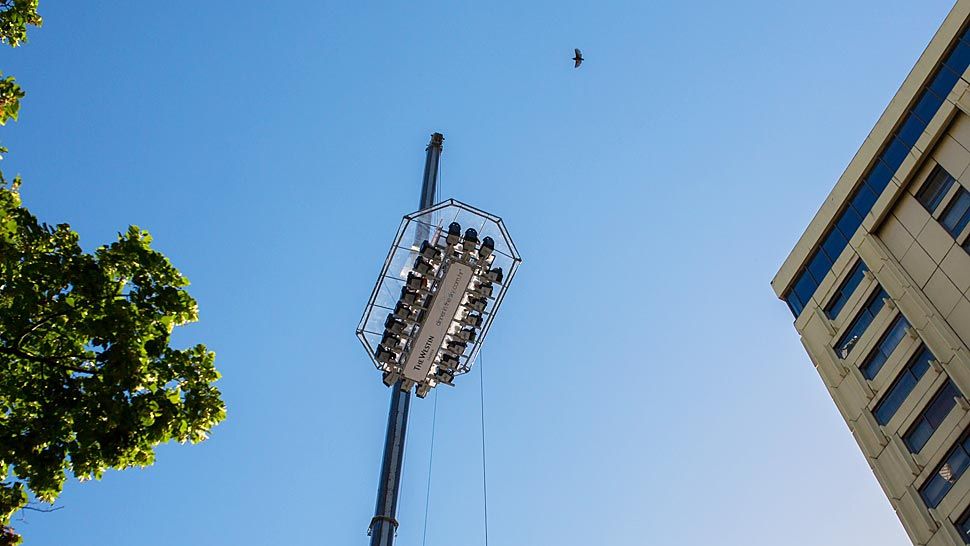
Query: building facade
(879, 284)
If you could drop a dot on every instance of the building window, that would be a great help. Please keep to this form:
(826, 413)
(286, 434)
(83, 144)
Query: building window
(931, 417)
(957, 215)
(947, 473)
(875, 180)
(935, 189)
(860, 324)
(845, 291)
(884, 349)
(963, 526)
(902, 386)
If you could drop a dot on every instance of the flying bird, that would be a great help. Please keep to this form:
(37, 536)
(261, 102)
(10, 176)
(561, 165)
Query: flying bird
(578, 58)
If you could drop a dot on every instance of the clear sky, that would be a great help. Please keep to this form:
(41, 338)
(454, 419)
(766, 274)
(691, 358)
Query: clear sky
(642, 385)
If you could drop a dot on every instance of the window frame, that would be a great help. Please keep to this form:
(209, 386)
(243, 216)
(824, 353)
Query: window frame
(899, 321)
(933, 203)
(962, 196)
(960, 444)
(937, 396)
(907, 373)
(878, 295)
(960, 523)
(841, 296)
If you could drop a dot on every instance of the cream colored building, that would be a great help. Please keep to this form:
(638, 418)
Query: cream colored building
(879, 284)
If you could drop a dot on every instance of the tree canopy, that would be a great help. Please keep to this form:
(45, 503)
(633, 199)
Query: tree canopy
(88, 379)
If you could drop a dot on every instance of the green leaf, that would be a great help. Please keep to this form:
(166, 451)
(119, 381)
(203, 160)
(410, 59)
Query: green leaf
(123, 388)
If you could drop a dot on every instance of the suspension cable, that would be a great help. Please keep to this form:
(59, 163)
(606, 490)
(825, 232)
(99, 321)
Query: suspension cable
(481, 390)
(427, 497)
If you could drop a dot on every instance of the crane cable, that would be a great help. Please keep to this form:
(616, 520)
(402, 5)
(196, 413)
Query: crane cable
(427, 497)
(434, 420)
(481, 390)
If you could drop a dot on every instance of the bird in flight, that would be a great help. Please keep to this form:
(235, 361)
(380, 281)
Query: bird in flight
(578, 58)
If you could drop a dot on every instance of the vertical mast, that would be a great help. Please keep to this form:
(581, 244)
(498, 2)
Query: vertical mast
(383, 526)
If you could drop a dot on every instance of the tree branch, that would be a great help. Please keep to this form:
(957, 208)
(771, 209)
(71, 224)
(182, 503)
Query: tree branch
(52, 360)
(35, 326)
(45, 510)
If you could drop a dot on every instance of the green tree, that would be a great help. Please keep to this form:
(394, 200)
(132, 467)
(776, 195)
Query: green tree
(88, 379)
(15, 15)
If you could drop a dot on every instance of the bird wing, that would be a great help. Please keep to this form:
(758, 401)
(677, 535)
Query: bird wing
(578, 53)
(579, 61)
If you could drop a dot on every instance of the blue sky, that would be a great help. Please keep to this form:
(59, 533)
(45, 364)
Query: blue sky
(642, 386)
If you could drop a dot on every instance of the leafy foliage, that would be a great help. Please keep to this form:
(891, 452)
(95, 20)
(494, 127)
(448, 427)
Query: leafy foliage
(10, 95)
(88, 380)
(15, 15)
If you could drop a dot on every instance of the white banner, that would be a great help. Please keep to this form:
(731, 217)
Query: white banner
(441, 314)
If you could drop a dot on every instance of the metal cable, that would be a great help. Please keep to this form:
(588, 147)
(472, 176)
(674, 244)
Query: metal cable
(481, 390)
(427, 498)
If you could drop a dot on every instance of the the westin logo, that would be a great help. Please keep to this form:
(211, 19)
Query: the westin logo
(444, 307)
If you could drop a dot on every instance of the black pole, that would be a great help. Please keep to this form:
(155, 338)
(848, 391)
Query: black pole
(383, 525)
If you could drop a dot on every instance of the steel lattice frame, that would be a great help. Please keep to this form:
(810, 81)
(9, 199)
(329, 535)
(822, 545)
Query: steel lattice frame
(431, 225)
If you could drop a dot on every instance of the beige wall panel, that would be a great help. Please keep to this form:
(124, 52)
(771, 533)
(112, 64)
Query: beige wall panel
(915, 468)
(951, 155)
(817, 342)
(959, 371)
(956, 265)
(911, 214)
(884, 203)
(831, 372)
(915, 517)
(943, 293)
(918, 264)
(911, 301)
(940, 343)
(917, 181)
(946, 536)
(839, 405)
(935, 241)
(854, 395)
(895, 471)
(959, 320)
(870, 439)
(960, 502)
(875, 251)
(963, 103)
(896, 237)
(817, 338)
(959, 130)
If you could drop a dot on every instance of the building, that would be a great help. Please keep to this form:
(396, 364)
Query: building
(879, 284)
